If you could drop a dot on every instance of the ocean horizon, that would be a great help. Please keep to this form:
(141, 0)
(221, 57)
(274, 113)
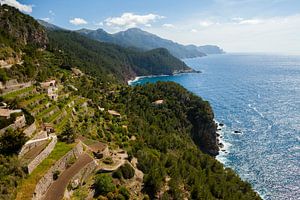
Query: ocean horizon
(257, 97)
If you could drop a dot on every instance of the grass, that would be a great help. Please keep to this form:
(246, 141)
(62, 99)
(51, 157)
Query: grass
(55, 116)
(40, 106)
(44, 112)
(32, 100)
(27, 187)
(14, 94)
(59, 127)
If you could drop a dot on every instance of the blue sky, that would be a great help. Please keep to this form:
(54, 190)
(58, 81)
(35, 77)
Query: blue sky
(235, 25)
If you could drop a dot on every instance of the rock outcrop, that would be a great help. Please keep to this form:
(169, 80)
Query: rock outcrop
(21, 27)
(204, 130)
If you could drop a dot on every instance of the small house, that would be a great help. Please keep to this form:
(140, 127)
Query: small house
(114, 113)
(48, 128)
(158, 102)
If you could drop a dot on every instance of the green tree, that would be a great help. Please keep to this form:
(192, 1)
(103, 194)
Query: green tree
(12, 141)
(68, 135)
(104, 184)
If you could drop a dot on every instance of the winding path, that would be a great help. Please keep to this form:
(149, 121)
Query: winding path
(57, 189)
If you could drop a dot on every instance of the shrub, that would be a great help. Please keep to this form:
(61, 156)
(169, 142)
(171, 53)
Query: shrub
(123, 190)
(117, 174)
(108, 161)
(56, 174)
(68, 135)
(104, 184)
(11, 141)
(127, 171)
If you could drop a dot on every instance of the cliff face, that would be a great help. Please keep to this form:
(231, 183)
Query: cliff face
(204, 128)
(23, 29)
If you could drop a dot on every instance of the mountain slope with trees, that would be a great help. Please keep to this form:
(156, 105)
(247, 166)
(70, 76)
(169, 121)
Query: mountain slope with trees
(143, 40)
(172, 143)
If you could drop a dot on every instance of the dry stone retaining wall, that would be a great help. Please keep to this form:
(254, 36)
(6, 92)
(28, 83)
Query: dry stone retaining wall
(45, 182)
(83, 174)
(19, 123)
(28, 146)
(30, 130)
(44, 154)
(40, 135)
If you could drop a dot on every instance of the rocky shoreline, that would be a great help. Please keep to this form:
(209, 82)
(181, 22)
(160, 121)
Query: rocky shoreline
(136, 78)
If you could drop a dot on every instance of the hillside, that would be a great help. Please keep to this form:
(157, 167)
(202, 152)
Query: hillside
(66, 133)
(143, 40)
(105, 58)
(146, 41)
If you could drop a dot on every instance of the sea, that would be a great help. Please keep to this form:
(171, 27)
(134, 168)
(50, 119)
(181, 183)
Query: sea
(257, 98)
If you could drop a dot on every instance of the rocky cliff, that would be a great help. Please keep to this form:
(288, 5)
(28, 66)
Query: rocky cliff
(21, 28)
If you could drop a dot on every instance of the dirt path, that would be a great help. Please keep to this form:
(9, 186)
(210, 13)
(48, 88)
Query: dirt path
(57, 189)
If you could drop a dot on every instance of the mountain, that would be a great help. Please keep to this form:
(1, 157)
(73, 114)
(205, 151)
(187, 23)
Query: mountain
(14, 26)
(19, 32)
(108, 140)
(106, 58)
(138, 38)
(49, 26)
(207, 49)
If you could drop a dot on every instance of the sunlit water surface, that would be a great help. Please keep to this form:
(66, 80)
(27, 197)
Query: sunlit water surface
(258, 95)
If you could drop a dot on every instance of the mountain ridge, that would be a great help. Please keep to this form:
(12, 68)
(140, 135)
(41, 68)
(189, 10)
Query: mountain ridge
(143, 40)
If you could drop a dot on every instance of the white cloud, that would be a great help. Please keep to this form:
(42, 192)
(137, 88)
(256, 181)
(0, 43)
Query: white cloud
(16, 4)
(237, 19)
(272, 34)
(78, 21)
(206, 23)
(51, 12)
(98, 23)
(251, 21)
(130, 20)
(168, 26)
(240, 20)
(47, 19)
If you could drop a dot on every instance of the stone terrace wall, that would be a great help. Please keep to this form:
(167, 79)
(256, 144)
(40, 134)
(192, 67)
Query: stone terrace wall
(19, 123)
(30, 130)
(44, 154)
(27, 147)
(40, 135)
(45, 182)
(13, 85)
(83, 174)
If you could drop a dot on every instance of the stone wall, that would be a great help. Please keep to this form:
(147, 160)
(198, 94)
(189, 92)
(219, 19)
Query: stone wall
(28, 146)
(13, 85)
(45, 182)
(83, 174)
(40, 135)
(30, 130)
(44, 154)
(20, 122)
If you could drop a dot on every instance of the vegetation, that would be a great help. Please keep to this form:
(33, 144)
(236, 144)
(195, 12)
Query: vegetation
(11, 142)
(173, 141)
(126, 171)
(103, 184)
(26, 188)
(68, 135)
(11, 173)
(108, 61)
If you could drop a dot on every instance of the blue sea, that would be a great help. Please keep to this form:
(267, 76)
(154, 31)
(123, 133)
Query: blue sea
(257, 95)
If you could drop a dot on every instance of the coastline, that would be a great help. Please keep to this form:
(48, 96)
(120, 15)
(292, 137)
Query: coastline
(224, 146)
(137, 78)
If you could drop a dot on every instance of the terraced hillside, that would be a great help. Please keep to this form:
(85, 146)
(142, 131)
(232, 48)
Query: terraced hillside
(120, 142)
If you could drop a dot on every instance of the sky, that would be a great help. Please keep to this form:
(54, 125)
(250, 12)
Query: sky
(270, 26)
